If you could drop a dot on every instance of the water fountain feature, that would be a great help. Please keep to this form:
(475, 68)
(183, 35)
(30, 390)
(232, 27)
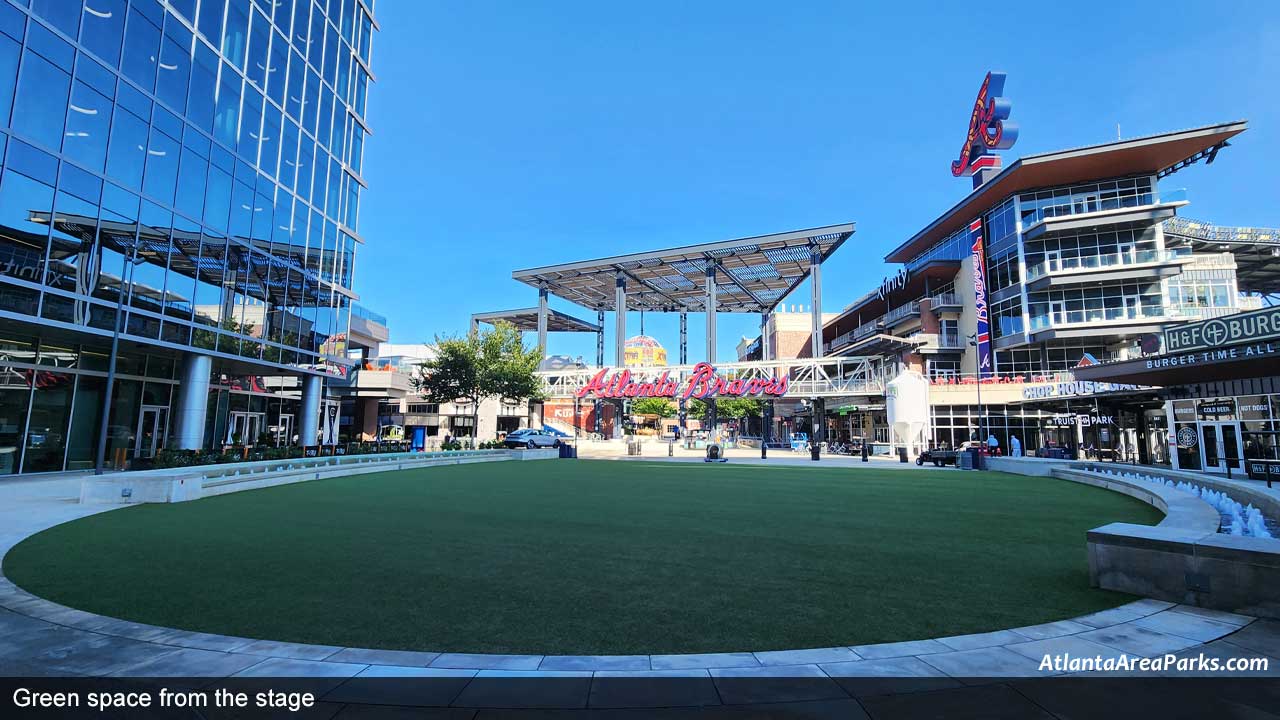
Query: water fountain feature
(1237, 519)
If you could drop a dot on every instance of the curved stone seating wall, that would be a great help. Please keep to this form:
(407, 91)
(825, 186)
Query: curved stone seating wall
(1239, 490)
(192, 483)
(1184, 559)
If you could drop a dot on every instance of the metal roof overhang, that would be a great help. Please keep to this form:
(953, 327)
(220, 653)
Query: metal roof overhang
(1112, 330)
(527, 319)
(879, 344)
(872, 305)
(1150, 154)
(1132, 217)
(1138, 372)
(753, 274)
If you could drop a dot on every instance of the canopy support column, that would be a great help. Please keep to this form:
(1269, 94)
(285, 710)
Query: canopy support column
(620, 318)
(711, 312)
(815, 277)
(682, 414)
(764, 336)
(598, 406)
(542, 323)
(620, 342)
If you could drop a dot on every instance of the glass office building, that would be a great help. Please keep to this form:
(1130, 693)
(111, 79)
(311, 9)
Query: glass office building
(187, 173)
(1078, 257)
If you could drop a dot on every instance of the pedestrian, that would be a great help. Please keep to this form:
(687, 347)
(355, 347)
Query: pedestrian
(1015, 446)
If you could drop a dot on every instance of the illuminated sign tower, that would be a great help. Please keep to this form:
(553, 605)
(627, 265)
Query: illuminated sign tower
(989, 129)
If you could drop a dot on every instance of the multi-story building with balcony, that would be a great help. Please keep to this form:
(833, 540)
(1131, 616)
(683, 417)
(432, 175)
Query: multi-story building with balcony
(179, 214)
(1074, 257)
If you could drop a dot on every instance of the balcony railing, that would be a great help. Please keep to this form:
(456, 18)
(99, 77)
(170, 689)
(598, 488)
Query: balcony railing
(941, 300)
(949, 340)
(1003, 378)
(1067, 318)
(1122, 258)
(856, 334)
(367, 314)
(902, 311)
(1090, 202)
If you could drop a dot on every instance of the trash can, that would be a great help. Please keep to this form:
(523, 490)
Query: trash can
(902, 455)
(975, 458)
(568, 451)
(964, 460)
(633, 447)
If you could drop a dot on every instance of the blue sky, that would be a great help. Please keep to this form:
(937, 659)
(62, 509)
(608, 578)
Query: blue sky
(515, 134)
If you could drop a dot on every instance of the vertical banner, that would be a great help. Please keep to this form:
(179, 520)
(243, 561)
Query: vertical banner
(985, 362)
(331, 424)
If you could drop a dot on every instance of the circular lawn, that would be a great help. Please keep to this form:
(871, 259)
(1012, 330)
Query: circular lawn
(593, 557)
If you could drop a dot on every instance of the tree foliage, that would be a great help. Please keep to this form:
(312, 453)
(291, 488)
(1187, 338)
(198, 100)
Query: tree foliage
(727, 407)
(493, 362)
(661, 407)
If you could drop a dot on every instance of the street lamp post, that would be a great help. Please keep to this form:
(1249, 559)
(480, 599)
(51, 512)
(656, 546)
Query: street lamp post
(973, 342)
(100, 457)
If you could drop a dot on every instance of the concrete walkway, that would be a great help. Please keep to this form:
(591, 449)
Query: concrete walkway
(38, 637)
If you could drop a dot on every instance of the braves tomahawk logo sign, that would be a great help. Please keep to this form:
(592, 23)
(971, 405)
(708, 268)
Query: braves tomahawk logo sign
(989, 129)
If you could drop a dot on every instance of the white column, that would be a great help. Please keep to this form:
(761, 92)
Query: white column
(764, 336)
(620, 311)
(309, 423)
(542, 322)
(815, 278)
(599, 338)
(684, 338)
(192, 402)
(711, 312)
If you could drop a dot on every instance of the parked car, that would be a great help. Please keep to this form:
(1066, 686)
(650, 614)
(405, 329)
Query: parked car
(530, 438)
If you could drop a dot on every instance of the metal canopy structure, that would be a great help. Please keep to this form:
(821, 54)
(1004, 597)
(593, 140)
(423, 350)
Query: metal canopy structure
(1256, 250)
(752, 274)
(527, 319)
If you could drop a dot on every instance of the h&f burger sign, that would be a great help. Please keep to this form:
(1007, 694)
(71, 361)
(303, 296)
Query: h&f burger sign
(1261, 324)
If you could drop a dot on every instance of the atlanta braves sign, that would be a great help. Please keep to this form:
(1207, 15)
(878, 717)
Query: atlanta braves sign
(704, 382)
(989, 129)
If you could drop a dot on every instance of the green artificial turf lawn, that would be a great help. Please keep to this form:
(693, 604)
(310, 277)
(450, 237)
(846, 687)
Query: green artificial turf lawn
(593, 557)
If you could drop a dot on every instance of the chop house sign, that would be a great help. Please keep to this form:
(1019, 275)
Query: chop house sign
(704, 382)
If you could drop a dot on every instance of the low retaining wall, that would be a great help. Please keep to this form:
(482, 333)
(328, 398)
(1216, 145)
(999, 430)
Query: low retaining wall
(192, 483)
(1183, 559)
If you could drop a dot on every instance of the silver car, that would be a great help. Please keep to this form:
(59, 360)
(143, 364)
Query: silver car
(530, 438)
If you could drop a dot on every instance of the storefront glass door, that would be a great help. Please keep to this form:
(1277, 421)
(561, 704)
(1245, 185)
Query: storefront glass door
(1220, 446)
(245, 427)
(152, 425)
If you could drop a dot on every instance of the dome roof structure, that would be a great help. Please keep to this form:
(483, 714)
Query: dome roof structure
(643, 351)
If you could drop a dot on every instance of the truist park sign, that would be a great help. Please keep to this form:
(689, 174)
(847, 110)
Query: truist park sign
(703, 382)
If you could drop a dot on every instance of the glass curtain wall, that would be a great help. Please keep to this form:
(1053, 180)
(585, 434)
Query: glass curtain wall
(194, 163)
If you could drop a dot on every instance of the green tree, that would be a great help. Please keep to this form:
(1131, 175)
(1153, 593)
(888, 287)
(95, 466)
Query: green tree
(493, 362)
(738, 408)
(726, 408)
(661, 407)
